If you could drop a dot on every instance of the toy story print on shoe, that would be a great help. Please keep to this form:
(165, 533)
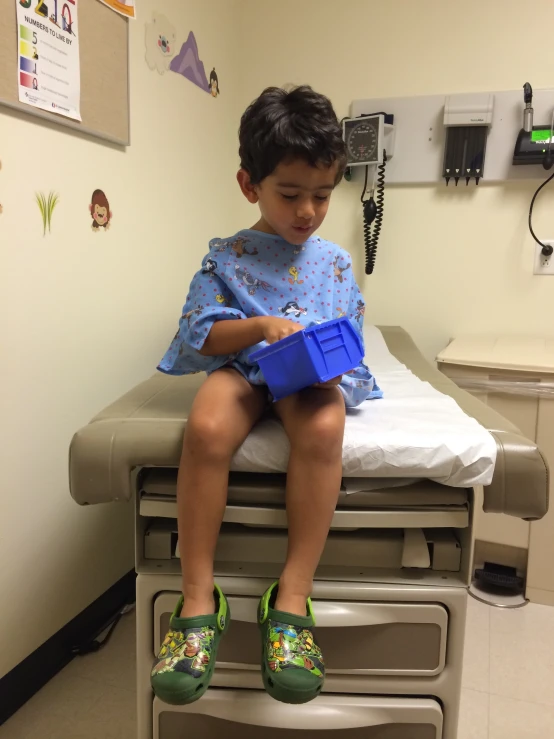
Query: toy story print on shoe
(186, 660)
(293, 670)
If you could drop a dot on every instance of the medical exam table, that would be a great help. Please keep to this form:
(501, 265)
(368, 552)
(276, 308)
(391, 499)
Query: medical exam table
(390, 595)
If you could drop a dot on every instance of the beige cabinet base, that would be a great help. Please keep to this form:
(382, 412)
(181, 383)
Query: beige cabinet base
(533, 414)
(542, 597)
(497, 528)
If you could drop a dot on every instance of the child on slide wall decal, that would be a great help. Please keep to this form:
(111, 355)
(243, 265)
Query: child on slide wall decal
(160, 42)
(253, 288)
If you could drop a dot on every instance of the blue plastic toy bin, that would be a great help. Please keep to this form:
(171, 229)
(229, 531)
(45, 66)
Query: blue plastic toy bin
(316, 354)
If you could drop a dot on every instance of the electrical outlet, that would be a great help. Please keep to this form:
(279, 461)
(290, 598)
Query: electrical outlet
(543, 265)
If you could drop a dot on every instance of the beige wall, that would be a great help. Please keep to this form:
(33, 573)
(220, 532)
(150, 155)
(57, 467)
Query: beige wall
(85, 316)
(449, 261)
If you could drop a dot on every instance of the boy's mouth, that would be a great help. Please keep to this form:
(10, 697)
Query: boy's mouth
(302, 229)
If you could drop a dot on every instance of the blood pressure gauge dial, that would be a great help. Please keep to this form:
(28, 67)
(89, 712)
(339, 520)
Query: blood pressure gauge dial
(363, 138)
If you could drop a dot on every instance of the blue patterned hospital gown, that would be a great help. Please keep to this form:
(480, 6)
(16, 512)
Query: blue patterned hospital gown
(258, 274)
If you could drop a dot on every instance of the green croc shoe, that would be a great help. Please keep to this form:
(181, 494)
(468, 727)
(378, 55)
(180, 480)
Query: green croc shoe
(293, 670)
(186, 660)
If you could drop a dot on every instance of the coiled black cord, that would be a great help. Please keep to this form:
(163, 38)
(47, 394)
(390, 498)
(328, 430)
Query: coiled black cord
(378, 225)
(373, 216)
(546, 248)
(547, 164)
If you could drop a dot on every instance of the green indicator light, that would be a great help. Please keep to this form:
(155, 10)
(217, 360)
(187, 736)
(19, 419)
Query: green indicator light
(541, 135)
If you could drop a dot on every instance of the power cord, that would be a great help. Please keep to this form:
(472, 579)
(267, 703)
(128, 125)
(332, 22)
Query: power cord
(95, 644)
(547, 249)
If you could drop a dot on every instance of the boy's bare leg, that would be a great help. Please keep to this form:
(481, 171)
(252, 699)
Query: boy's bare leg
(223, 414)
(314, 422)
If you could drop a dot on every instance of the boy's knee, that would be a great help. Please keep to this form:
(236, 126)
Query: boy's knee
(207, 438)
(322, 436)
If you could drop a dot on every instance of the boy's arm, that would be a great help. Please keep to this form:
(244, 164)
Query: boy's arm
(356, 308)
(230, 337)
(213, 327)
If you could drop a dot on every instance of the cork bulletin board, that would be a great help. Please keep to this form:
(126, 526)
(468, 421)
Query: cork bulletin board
(104, 60)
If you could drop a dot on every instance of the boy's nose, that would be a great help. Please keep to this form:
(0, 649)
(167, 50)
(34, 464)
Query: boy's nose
(305, 211)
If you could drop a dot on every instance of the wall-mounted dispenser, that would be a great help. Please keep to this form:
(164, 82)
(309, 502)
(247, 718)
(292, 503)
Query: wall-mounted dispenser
(467, 119)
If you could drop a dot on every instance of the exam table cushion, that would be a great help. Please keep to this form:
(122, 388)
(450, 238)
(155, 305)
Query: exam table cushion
(144, 429)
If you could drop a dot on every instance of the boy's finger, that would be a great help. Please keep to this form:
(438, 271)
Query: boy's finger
(329, 383)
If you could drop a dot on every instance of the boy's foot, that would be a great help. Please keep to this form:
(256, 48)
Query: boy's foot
(293, 670)
(186, 660)
(290, 601)
(196, 606)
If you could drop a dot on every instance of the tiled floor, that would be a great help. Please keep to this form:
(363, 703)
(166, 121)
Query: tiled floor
(508, 684)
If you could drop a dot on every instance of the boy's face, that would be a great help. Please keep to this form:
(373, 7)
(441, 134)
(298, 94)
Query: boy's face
(293, 200)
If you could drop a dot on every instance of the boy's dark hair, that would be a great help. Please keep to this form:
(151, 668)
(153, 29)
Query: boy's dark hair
(295, 124)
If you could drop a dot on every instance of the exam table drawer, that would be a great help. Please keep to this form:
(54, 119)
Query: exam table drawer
(442, 516)
(249, 714)
(365, 549)
(357, 638)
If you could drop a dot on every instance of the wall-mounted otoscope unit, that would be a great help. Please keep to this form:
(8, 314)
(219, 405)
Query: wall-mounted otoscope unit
(534, 143)
(534, 146)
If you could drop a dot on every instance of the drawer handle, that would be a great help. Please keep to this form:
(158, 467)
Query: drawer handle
(319, 714)
(337, 614)
(333, 614)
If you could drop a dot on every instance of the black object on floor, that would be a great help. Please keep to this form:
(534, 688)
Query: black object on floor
(499, 576)
(29, 676)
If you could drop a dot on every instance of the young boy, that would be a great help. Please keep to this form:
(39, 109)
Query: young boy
(258, 286)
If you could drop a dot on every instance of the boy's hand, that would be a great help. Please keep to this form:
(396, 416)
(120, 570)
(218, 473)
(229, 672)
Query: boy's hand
(274, 329)
(329, 383)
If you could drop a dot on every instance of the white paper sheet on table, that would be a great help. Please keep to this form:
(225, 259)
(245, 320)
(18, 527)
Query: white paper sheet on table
(413, 432)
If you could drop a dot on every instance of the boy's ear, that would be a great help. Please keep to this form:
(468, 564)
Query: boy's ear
(248, 189)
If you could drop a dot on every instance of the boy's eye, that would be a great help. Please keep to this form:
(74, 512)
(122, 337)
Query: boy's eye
(322, 198)
(289, 197)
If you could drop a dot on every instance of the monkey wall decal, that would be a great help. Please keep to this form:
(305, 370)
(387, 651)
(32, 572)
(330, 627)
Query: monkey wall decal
(100, 211)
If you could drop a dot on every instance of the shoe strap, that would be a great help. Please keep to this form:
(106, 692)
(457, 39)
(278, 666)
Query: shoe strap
(291, 619)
